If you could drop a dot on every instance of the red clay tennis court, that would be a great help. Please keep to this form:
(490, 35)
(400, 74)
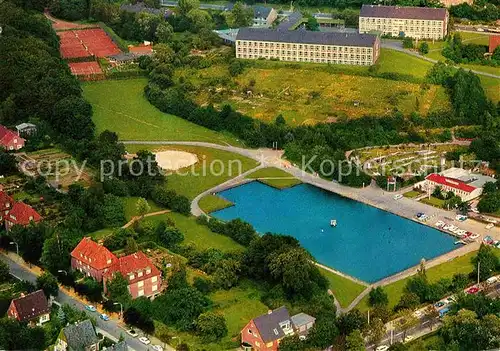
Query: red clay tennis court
(85, 68)
(86, 42)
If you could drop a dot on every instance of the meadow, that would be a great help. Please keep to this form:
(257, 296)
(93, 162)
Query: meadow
(275, 177)
(120, 106)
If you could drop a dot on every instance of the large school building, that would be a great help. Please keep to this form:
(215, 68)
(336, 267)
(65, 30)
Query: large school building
(307, 46)
(398, 21)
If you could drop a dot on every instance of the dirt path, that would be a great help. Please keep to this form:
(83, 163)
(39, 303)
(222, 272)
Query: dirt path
(136, 218)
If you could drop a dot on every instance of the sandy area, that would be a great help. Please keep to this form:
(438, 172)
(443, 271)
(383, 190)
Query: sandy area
(173, 160)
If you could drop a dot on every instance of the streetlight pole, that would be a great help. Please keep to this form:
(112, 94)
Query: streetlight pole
(121, 308)
(17, 246)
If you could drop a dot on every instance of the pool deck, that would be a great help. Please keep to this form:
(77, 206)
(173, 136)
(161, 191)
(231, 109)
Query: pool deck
(370, 195)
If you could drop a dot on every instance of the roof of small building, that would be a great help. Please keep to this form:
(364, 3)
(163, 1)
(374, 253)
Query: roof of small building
(261, 11)
(306, 37)
(301, 319)
(133, 263)
(5, 199)
(81, 335)
(120, 346)
(23, 214)
(289, 21)
(93, 254)
(7, 135)
(494, 42)
(25, 126)
(269, 324)
(406, 12)
(31, 306)
(451, 182)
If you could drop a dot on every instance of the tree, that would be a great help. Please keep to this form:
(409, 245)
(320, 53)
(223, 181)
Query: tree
(170, 236)
(376, 330)
(408, 300)
(460, 281)
(227, 273)
(55, 254)
(163, 54)
(487, 260)
(285, 269)
(164, 32)
(408, 43)
(323, 334)
(407, 321)
(15, 335)
(378, 297)
(355, 341)
(423, 48)
(117, 289)
(240, 16)
(4, 272)
(312, 24)
(142, 206)
(350, 321)
(48, 283)
(186, 6)
(8, 163)
(131, 246)
(134, 316)
(199, 19)
(211, 326)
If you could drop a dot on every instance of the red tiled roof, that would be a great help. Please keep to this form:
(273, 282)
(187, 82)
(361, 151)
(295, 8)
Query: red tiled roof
(134, 263)
(23, 214)
(7, 135)
(5, 199)
(494, 42)
(93, 254)
(406, 12)
(143, 49)
(31, 306)
(451, 182)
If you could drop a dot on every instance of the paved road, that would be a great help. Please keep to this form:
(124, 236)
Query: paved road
(398, 46)
(110, 327)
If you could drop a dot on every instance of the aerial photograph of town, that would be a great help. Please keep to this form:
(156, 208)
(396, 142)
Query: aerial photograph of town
(252, 175)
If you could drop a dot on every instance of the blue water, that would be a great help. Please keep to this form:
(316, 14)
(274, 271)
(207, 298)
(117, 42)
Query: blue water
(368, 243)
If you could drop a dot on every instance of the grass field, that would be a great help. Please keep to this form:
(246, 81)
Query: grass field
(196, 233)
(120, 106)
(345, 290)
(444, 270)
(433, 201)
(411, 194)
(211, 203)
(274, 177)
(279, 89)
(214, 167)
(130, 204)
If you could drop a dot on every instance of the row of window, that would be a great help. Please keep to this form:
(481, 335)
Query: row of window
(261, 44)
(316, 60)
(141, 292)
(306, 54)
(390, 20)
(139, 274)
(403, 29)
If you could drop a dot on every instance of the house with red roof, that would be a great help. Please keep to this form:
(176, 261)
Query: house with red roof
(6, 203)
(96, 261)
(10, 140)
(143, 278)
(21, 214)
(460, 188)
(92, 259)
(494, 43)
(32, 308)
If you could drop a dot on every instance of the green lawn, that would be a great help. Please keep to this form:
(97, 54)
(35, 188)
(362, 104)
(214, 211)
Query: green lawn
(444, 270)
(274, 177)
(345, 290)
(213, 168)
(433, 201)
(102, 233)
(411, 194)
(120, 106)
(211, 203)
(131, 210)
(196, 233)
(399, 62)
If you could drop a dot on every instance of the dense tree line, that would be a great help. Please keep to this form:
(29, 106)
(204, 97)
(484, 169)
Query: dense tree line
(458, 52)
(479, 11)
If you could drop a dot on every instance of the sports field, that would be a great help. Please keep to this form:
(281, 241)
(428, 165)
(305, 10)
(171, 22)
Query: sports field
(120, 106)
(85, 68)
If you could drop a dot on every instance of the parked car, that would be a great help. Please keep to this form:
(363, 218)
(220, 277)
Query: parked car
(473, 290)
(132, 333)
(492, 280)
(144, 340)
(439, 304)
(408, 338)
(418, 313)
(398, 196)
(157, 348)
(90, 308)
(382, 348)
(450, 299)
(104, 317)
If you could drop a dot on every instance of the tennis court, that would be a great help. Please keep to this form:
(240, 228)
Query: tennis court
(86, 42)
(85, 68)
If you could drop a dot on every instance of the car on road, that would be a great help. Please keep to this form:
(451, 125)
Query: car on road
(398, 196)
(418, 313)
(132, 333)
(439, 304)
(144, 340)
(409, 338)
(104, 317)
(157, 348)
(450, 299)
(480, 30)
(90, 308)
(473, 290)
(382, 348)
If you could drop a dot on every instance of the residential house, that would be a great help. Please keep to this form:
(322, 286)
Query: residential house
(96, 261)
(6, 203)
(400, 21)
(32, 308)
(10, 140)
(92, 259)
(263, 16)
(265, 332)
(493, 43)
(26, 129)
(21, 214)
(307, 46)
(465, 191)
(80, 336)
(143, 277)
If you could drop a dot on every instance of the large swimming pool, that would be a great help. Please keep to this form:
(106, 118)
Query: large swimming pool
(368, 243)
